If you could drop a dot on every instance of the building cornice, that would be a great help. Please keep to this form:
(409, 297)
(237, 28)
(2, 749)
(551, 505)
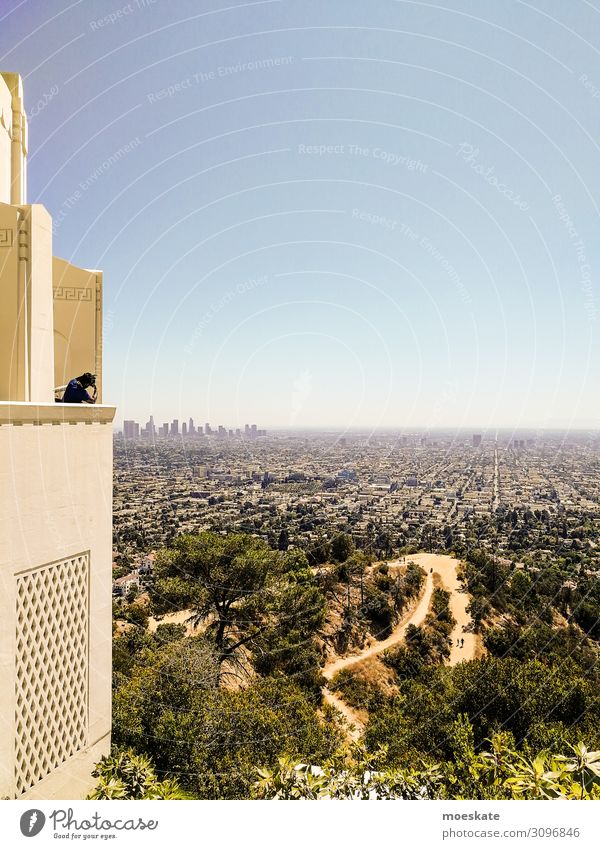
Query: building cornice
(23, 412)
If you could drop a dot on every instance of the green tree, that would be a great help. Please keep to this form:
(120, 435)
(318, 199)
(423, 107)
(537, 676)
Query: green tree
(318, 551)
(342, 547)
(284, 540)
(172, 708)
(292, 614)
(217, 577)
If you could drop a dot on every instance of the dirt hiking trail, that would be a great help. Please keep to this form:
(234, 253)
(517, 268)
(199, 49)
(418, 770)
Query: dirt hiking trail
(444, 566)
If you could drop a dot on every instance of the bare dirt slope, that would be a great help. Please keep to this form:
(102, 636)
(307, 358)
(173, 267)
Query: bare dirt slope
(444, 566)
(178, 617)
(414, 617)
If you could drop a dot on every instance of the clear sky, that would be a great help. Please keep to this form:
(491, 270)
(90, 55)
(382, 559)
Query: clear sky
(327, 212)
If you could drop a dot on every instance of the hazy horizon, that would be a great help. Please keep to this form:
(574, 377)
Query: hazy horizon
(409, 430)
(308, 213)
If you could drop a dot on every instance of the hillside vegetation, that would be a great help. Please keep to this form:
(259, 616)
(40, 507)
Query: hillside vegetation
(237, 709)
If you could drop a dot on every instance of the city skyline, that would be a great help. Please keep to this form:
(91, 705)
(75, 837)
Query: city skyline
(132, 429)
(484, 432)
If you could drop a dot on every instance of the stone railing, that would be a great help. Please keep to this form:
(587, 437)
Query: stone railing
(23, 413)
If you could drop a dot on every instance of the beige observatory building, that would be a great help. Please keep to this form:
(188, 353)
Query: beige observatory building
(55, 499)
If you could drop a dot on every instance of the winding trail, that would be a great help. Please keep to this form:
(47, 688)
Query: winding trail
(415, 616)
(444, 566)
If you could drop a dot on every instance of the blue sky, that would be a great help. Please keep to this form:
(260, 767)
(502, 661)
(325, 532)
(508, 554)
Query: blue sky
(327, 213)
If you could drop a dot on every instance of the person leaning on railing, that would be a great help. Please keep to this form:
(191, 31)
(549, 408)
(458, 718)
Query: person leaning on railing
(76, 390)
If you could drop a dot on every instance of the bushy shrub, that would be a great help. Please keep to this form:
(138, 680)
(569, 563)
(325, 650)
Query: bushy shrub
(498, 772)
(125, 775)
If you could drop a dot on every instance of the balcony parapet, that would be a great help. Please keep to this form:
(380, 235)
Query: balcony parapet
(25, 413)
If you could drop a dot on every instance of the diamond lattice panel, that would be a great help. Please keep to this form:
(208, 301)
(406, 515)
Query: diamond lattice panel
(52, 668)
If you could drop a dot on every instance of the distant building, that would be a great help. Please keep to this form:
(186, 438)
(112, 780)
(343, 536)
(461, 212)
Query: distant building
(127, 581)
(476, 440)
(131, 429)
(150, 430)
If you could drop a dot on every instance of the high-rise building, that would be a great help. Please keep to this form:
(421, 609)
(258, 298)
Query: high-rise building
(164, 431)
(131, 429)
(55, 501)
(207, 429)
(191, 428)
(476, 440)
(175, 427)
(184, 429)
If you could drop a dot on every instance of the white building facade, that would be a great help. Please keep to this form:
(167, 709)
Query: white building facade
(55, 499)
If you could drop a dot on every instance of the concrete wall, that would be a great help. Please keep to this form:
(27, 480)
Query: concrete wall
(12, 320)
(55, 505)
(55, 500)
(26, 312)
(13, 140)
(77, 322)
(5, 141)
(37, 248)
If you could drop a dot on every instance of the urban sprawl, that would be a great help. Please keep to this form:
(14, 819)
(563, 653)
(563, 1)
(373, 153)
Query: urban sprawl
(526, 497)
